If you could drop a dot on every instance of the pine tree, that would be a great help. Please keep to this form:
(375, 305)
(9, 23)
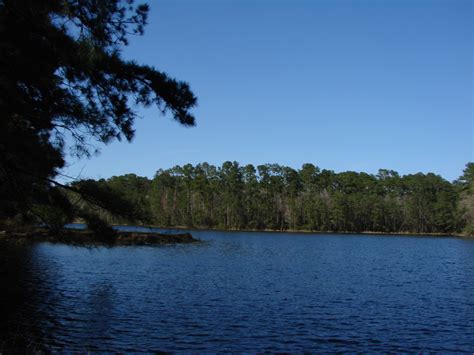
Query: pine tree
(62, 77)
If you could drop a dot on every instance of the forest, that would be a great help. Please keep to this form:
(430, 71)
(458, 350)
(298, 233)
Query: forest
(276, 197)
(64, 80)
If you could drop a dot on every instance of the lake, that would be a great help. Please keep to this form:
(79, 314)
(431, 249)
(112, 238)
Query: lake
(240, 291)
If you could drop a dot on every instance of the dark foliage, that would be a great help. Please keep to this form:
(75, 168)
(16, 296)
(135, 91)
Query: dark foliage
(102, 231)
(281, 198)
(62, 78)
(466, 185)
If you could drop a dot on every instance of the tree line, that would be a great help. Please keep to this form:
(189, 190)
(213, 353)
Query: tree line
(64, 80)
(276, 197)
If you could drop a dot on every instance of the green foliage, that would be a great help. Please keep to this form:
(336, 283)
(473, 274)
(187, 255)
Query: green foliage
(465, 186)
(54, 209)
(276, 197)
(104, 196)
(466, 180)
(63, 78)
(469, 230)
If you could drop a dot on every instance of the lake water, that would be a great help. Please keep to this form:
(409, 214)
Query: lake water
(242, 292)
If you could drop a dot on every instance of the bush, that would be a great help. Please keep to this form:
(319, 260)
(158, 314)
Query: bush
(469, 230)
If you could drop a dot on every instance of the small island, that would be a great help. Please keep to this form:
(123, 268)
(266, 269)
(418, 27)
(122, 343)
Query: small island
(85, 237)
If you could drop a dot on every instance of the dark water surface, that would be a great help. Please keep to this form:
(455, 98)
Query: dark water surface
(242, 292)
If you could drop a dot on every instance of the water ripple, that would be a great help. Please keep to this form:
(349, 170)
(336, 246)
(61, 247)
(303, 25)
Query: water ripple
(245, 292)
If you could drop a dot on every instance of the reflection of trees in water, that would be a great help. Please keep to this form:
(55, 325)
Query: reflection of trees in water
(99, 314)
(25, 299)
(44, 307)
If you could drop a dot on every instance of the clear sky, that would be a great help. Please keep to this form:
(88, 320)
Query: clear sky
(344, 84)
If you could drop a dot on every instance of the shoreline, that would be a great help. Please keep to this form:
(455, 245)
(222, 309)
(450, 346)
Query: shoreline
(300, 231)
(88, 238)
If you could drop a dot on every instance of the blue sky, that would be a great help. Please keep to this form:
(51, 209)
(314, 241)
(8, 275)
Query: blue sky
(343, 84)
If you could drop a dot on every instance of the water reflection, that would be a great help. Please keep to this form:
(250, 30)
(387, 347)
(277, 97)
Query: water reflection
(242, 292)
(25, 300)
